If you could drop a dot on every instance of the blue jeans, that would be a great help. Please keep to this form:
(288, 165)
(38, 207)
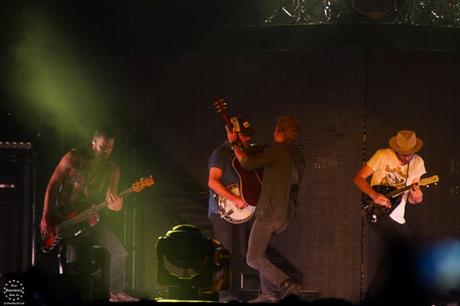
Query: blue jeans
(104, 234)
(262, 230)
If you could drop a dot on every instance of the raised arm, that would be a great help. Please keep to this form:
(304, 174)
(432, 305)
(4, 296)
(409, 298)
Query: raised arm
(232, 137)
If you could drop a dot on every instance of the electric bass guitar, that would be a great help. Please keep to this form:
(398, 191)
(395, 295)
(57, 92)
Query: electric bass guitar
(250, 182)
(73, 226)
(374, 211)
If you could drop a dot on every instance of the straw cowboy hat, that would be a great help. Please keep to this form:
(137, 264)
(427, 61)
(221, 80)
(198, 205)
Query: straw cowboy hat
(405, 142)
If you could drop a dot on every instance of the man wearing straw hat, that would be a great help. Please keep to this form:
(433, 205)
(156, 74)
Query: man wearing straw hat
(396, 166)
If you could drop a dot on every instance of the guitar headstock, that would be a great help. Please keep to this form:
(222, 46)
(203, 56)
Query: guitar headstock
(220, 105)
(429, 180)
(142, 183)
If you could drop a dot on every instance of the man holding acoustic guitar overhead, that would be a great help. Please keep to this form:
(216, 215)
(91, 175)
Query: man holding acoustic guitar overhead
(227, 209)
(393, 168)
(80, 179)
(283, 164)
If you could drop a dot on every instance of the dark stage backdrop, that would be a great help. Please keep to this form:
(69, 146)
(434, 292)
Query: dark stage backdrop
(332, 92)
(171, 98)
(418, 90)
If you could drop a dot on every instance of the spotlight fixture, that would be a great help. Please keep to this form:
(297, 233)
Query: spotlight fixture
(188, 263)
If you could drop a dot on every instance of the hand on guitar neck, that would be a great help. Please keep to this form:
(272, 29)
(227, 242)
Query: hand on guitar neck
(415, 196)
(114, 202)
(232, 135)
(233, 139)
(241, 128)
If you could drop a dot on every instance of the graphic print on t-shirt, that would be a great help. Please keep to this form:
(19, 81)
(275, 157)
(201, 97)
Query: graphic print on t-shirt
(394, 177)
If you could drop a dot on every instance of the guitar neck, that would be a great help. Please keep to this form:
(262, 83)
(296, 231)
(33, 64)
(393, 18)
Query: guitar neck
(101, 205)
(227, 120)
(398, 192)
(84, 215)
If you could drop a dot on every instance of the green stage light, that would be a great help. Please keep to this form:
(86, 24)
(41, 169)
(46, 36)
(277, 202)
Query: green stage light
(51, 77)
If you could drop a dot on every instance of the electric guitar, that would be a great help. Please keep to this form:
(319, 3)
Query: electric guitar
(250, 182)
(373, 211)
(72, 227)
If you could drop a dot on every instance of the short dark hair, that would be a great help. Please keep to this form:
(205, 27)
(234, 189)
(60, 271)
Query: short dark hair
(289, 126)
(105, 132)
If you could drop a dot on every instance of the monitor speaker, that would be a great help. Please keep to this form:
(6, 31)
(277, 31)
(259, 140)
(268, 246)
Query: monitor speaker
(16, 210)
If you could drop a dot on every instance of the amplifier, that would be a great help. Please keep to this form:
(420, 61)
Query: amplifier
(17, 201)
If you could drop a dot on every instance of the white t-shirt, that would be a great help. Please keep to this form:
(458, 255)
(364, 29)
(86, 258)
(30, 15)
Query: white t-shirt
(389, 172)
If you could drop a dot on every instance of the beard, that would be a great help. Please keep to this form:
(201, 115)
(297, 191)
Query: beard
(101, 157)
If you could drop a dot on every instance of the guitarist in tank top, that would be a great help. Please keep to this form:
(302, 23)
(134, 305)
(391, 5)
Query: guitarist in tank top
(81, 179)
